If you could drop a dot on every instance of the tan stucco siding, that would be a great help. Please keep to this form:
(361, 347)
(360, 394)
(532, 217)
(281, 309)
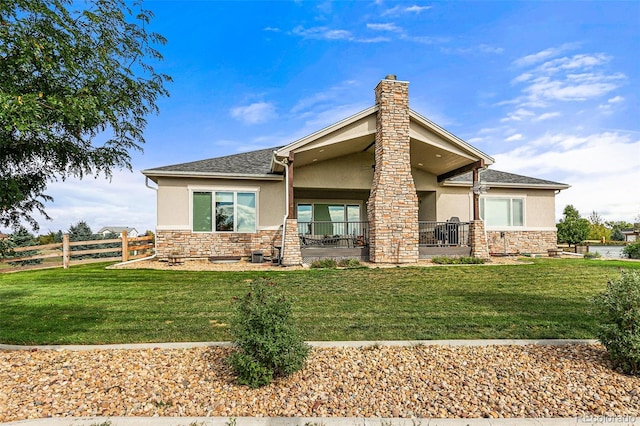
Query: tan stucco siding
(454, 202)
(174, 203)
(539, 205)
(350, 172)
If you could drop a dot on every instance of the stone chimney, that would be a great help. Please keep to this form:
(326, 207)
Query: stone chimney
(393, 203)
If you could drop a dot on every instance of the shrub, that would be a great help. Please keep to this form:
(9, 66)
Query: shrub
(268, 343)
(632, 251)
(446, 260)
(324, 263)
(618, 308)
(348, 263)
(592, 255)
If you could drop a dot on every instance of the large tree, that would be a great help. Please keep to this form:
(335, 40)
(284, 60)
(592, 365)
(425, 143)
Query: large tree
(67, 78)
(572, 229)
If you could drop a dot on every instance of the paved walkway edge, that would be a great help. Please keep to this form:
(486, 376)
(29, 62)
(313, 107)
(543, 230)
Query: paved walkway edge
(323, 421)
(328, 344)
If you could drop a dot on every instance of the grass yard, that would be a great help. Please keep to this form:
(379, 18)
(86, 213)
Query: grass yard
(88, 304)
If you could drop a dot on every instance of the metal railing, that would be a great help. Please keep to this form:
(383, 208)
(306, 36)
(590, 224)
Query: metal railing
(443, 234)
(333, 234)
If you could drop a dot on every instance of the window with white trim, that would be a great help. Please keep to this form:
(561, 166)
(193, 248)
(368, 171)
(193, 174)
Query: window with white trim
(235, 211)
(502, 211)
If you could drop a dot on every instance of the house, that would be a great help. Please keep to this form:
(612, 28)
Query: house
(385, 185)
(633, 234)
(106, 230)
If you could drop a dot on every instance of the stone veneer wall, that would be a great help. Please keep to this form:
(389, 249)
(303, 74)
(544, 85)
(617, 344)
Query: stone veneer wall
(204, 245)
(522, 241)
(393, 203)
(292, 254)
(478, 240)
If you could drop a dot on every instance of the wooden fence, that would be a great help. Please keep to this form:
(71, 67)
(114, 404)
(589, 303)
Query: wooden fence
(128, 249)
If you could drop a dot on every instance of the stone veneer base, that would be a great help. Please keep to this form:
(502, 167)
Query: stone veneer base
(522, 241)
(208, 244)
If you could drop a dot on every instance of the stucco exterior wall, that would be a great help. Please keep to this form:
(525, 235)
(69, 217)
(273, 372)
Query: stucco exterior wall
(174, 200)
(353, 171)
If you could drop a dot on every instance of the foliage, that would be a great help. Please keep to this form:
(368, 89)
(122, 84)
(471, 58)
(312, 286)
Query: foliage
(632, 251)
(598, 230)
(67, 75)
(618, 309)
(617, 235)
(349, 263)
(268, 342)
(324, 263)
(446, 260)
(23, 238)
(572, 229)
(592, 255)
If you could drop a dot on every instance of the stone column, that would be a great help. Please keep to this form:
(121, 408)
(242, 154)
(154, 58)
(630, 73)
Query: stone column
(478, 240)
(393, 203)
(291, 255)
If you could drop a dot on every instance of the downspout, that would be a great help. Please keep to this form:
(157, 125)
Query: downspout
(286, 202)
(155, 242)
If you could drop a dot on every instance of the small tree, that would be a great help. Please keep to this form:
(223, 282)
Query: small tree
(617, 235)
(572, 229)
(23, 238)
(268, 343)
(618, 310)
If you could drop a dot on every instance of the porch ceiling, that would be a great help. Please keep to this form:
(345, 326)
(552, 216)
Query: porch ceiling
(424, 156)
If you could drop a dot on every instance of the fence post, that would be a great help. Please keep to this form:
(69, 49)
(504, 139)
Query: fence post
(65, 251)
(125, 246)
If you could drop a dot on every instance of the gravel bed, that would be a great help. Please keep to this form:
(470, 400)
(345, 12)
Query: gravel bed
(419, 381)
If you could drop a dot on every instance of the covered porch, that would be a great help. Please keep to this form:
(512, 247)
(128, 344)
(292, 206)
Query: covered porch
(350, 239)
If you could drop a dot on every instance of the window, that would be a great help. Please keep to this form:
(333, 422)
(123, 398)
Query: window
(329, 219)
(234, 211)
(502, 211)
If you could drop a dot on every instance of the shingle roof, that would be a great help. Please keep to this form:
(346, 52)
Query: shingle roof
(490, 176)
(248, 163)
(259, 163)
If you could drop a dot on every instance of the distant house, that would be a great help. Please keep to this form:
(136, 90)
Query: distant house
(106, 230)
(632, 235)
(385, 185)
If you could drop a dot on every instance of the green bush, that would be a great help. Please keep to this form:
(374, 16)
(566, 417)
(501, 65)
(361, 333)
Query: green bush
(462, 260)
(324, 263)
(632, 251)
(618, 309)
(592, 255)
(349, 263)
(268, 343)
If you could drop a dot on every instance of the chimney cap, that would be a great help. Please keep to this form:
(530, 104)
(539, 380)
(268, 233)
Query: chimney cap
(390, 77)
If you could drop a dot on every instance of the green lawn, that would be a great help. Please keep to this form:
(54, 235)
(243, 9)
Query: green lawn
(88, 304)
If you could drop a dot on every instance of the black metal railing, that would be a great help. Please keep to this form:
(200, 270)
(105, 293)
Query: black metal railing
(443, 234)
(333, 234)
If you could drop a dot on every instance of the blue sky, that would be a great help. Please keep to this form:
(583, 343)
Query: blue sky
(549, 89)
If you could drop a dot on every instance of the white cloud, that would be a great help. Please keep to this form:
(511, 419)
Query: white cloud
(272, 29)
(582, 61)
(575, 87)
(601, 168)
(565, 153)
(322, 33)
(405, 9)
(123, 201)
(547, 116)
(254, 113)
(616, 99)
(385, 27)
(518, 115)
(544, 55)
(515, 137)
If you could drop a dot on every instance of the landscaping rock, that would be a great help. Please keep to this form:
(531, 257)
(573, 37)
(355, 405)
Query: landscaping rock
(420, 381)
